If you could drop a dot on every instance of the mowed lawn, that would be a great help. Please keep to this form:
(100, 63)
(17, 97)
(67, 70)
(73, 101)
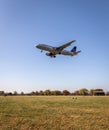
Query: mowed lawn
(54, 113)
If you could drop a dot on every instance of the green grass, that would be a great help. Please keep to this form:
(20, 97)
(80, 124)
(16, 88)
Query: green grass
(54, 113)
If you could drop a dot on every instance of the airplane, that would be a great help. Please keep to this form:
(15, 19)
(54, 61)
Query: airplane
(53, 51)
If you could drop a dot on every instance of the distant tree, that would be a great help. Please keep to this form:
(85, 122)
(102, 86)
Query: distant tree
(107, 93)
(47, 92)
(99, 92)
(83, 91)
(37, 93)
(76, 92)
(73, 93)
(91, 92)
(9, 94)
(56, 92)
(15, 93)
(41, 92)
(22, 93)
(32, 93)
(65, 92)
(99, 89)
(2, 93)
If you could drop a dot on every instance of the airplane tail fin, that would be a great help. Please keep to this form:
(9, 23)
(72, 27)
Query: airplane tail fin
(74, 49)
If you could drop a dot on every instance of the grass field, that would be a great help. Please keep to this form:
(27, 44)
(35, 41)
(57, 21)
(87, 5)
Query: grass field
(54, 113)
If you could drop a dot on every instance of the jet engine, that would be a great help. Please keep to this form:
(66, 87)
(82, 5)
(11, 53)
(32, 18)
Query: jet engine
(50, 54)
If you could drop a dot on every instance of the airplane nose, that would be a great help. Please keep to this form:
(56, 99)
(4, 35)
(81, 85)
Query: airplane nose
(36, 46)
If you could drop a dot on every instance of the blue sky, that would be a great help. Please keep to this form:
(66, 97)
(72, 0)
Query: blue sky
(25, 23)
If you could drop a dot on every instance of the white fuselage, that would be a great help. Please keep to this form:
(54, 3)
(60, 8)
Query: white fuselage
(51, 49)
(65, 52)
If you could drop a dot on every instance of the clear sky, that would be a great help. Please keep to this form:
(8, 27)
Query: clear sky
(25, 23)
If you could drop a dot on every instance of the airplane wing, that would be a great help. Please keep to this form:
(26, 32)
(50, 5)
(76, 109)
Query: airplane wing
(60, 48)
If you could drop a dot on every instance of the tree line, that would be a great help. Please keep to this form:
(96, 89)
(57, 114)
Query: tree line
(48, 92)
